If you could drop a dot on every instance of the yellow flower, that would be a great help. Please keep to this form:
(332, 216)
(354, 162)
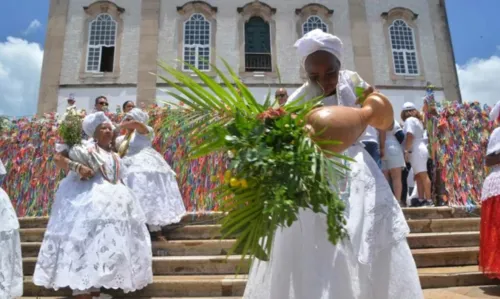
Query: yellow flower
(234, 182)
(244, 183)
(227, 175)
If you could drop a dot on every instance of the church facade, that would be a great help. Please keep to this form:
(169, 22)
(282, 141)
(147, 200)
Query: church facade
(111, 48)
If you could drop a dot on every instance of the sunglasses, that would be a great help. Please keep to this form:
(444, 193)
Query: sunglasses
(103, 104)
(280, 95)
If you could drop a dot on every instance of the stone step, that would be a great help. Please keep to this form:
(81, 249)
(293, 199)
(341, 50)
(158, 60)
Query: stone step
(192, 218)
(444, 257)
(209, 217)
(207, 265)
(165, 286)
(212, 231)
(181, 265)
(444, 225)
(441, 212)
(444, 277)
(230, 285)
(222, 247)
(483, 291)
(190, 232)
(168, 248)
(438, 240)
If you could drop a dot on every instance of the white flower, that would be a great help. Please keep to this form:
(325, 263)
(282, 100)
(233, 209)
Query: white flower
(230, 154)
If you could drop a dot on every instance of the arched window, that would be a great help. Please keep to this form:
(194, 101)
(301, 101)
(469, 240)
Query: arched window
(101, 44)
(257, 45)
(403, 46)
(197, 42)
(313, 22)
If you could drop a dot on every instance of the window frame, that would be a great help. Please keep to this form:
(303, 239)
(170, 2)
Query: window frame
(266, 13)
(404, 51)
(197, 46)
(320, 20)
(410, 18)
(91, 13)
(185, 12)
(89, 46)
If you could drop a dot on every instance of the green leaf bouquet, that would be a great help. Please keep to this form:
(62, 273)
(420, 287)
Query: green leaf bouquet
(275, 169)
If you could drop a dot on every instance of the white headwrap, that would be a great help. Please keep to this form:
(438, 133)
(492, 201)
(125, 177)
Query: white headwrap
(92, 121)
(139, 115)
(495, 112)
(317, 40)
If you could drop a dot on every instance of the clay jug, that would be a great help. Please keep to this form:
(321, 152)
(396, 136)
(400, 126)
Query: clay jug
(346, 124)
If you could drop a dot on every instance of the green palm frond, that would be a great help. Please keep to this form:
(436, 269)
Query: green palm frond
(276, 169)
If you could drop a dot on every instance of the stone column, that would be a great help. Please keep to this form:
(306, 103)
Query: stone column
(360, 32)
(444, 49)
(53, 56)
(148, 51)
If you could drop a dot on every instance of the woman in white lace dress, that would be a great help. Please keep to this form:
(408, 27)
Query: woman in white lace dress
(148, 174)
(96, 236)
(375, 261)
(11, 262)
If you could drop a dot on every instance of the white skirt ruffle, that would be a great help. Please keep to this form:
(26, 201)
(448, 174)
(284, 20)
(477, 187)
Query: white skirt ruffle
(375, 262)
(155, 186)
(11, 262)
(96, 237)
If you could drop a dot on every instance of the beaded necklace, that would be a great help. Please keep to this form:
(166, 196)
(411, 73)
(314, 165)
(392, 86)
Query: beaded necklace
(116, 167)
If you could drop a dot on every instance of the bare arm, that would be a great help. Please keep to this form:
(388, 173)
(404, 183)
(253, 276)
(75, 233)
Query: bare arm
(409, 142)
(381, 140)
(135, 125)
(63, 162)
(492, 160)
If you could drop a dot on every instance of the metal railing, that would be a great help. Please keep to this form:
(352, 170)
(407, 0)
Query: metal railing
(258, 62)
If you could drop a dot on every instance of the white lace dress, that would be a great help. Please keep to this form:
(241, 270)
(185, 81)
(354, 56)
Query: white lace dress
(153, 181)
(11, 262)
(96, 236)
(374, 262)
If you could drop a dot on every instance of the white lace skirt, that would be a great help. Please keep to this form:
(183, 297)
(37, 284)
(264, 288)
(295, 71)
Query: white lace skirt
(11, 262)
(96, 237)
(155, 185)
(375, 262)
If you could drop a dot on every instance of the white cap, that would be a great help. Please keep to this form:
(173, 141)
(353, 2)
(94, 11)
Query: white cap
(317, 40)
(409, 106)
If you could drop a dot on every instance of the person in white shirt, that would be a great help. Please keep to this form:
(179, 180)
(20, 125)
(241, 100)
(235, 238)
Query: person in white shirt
(393, 160)
(416, 152)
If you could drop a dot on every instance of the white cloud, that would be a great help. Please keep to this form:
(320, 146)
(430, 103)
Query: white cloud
(480, 80)
(20, 69)
(34, 25)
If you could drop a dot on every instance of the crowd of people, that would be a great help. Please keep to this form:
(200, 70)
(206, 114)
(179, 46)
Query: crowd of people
(117, 186)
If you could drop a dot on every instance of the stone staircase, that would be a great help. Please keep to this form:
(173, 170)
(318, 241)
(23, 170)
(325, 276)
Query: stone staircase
(192, 263)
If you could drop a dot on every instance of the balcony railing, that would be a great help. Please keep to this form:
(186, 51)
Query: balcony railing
(258, 62)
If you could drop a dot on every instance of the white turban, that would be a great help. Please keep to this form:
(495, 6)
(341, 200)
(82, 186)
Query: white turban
(317, 40)
(92, 121)
(139, 115)
(495, 112)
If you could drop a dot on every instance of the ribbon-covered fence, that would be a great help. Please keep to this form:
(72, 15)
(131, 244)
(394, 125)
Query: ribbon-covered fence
(27, 149)
(458, 135)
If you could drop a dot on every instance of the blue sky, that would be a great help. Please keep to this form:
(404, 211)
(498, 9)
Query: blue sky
(475, 27)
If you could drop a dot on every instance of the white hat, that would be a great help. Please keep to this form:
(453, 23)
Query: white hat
(495, 112)
(409, 106)
(139, 115)
(317, 40)
(92, 121)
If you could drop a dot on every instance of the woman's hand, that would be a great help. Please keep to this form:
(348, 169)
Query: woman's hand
(366, 93)
(85, 172)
